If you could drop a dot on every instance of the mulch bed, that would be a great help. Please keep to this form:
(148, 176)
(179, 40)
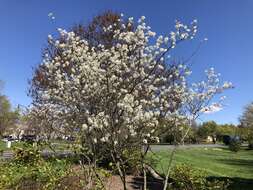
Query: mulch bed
(133, 183)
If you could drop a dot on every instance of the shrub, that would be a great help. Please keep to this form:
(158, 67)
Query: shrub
(185, 177)
(132, 164)
(41, 175)
(235, 145)
(28, 170)
(103, 175)
(250, 145)
(226, 139)
(133, 161)
(26, 154)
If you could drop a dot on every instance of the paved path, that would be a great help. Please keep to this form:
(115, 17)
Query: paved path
(45, 153)
(160, 147)
(7, 155)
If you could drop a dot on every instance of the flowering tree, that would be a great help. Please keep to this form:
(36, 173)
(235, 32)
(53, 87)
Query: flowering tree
(40, 120)
(247, 116)
(118, 94)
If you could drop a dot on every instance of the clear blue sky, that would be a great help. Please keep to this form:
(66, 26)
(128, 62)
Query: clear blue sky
(228, 24)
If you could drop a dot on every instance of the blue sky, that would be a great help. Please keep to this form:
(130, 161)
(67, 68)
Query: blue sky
(226, 23)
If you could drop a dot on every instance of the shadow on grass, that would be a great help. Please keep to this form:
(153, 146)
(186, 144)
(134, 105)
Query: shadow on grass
(236, 183)
(152, 184)
(242, 163)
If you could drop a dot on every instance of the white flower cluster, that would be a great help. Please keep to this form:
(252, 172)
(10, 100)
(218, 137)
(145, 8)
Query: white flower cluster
(200, 94)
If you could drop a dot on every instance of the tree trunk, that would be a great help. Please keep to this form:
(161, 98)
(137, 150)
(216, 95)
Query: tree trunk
(144, 177)
(168, 172)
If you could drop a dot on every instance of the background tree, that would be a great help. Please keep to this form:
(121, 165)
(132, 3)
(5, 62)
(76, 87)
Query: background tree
(208, 128)
(8, 117)
(246, 122)
(174, 135)
(227, 130)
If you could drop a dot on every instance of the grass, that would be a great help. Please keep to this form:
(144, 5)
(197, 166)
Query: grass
(219, 163)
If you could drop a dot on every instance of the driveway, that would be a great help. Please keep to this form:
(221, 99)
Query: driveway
(6, 155)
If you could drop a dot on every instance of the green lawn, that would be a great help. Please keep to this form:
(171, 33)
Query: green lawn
(217, 162)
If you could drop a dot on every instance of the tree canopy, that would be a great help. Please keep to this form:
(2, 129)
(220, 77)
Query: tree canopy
(247, 117)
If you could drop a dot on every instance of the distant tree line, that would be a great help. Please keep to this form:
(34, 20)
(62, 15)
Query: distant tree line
(210, 131)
